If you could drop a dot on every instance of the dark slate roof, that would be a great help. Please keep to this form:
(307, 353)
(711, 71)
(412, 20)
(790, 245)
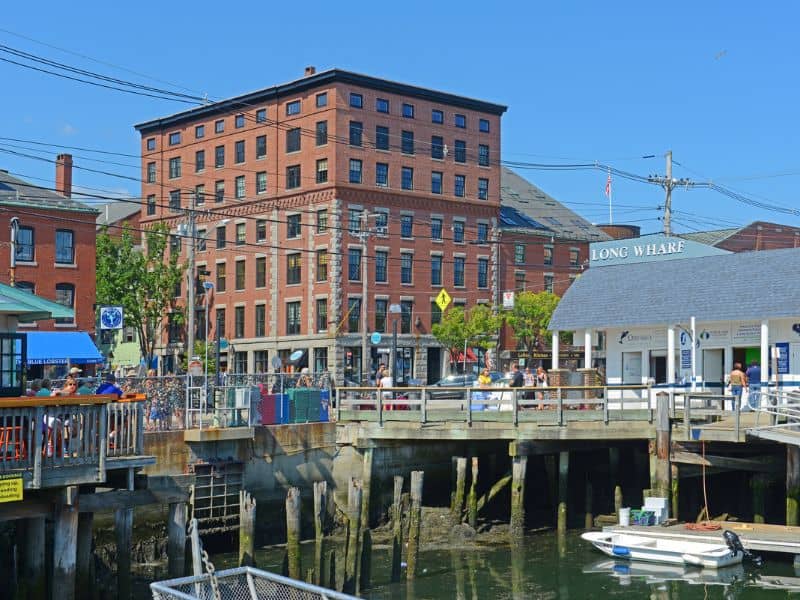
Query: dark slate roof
(728, 287)
(17, 192)
(519, 199)
(117, 211)
(711, 238)
(322, 78)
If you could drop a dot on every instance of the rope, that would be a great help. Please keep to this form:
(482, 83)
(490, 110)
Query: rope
(706, 525)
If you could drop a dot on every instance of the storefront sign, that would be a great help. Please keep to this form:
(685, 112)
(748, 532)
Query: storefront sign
(641, 339)
(747, 333)
(783, 357)
(686, 359)
(10, 487)
(648, 248)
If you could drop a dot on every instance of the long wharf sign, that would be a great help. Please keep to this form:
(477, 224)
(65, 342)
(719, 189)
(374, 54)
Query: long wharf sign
(648, 248)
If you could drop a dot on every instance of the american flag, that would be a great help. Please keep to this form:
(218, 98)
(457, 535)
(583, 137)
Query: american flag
(608, 185)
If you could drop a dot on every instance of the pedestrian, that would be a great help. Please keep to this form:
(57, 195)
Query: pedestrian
(485, 378)
(84, 388)
(305, 380)
(754, 382)
(45, 389)
(379, 374)
(36, 385)
(109, 386)
(517, 378)
(738, 381)
(541, 381)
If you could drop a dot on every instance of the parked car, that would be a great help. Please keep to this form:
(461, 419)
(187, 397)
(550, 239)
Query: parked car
(458, 380)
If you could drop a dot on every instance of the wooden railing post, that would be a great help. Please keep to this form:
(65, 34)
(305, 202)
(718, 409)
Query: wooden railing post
(102, 443)
(379, 399)
(37, 449)
(560, 407)
(605, 404)
(423, 409)
(515, 406)
(469, 406)
(140, 428)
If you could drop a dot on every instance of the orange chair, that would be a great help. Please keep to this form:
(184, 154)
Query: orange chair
(12, 443)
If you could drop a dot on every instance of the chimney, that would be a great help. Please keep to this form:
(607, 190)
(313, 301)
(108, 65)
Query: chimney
(64, 174)
(310, 71)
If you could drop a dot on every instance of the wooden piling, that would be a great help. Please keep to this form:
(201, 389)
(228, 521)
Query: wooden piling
(330, 572)
(759, 483)
(293, 532)
(472, 498)
(320, 520)
(85, 555)
(458, 496)
(123, 527)
(675, 489)
(588, 518)
(65, 535)
(792, 485)
(663, 471)
(397, 528)
(176, 539)
(415, 521)
(247, 529)
(563, 487)
(33, 562)
(517, 526)
(353, 537)
(613, 474)
(365, 544)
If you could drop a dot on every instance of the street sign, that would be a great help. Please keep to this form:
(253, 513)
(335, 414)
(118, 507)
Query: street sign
(443, 299)
(375, 338)
(508, 300)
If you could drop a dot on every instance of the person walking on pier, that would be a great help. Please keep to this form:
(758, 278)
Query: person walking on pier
(738, 381)
(754, 382)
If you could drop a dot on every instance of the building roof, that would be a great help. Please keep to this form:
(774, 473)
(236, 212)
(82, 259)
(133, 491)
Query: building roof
(320, 79)
(711, 238)
(727, 287)
(17, 192)
(525, 207)
(29, 307)
(113, 212)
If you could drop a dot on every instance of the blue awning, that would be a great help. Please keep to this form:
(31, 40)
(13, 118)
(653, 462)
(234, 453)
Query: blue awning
(61, 348)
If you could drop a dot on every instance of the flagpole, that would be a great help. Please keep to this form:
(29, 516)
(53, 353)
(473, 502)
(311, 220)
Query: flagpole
(610, 193)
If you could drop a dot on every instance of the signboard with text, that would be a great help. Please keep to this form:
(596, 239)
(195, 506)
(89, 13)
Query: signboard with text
(10, 487)
(647, 248)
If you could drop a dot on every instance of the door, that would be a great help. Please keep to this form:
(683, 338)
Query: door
(714, 368)
(632, 368)
(434, 370)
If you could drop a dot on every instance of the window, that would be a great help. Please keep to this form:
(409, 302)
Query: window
(382, 174)
(407, 178)
(407, 226)
(322, 221)
(151, 172)
(356, 100)
(238, 322)
(175, 138)
(175, 244)
(238, 121)
(355, 170)
(381, 105)
(322, 314)
(458, 232)
(381, 308)
(436, 228)
(219, 191)
(574, 257)
(238, 151)
(483, 189)
(483, 155)
(151, 144)
(239, 189)
(292, 177)
(436, 182)
(293, 268)
(221, 276)
(483, 272)
(219, 157)
(458, 271)
(220, 323)
(293, 226)
(381, 222)
(354, 264)
(241, 234)
(519, 254)
(407, 142)
(26, 286)
(406, 267)
(261, 146)
(381, 260)
(437, 147)
(322, 100)
(260, 363)
(261, 271)
(201, 240)
(261, 182)
(174, 329)
(483, 232)
(460, 121)
(436, 313)
(548, 255)
(261, 115)
(322, 170)
(406, 306)
(219, 126)
(177, 291)
(354, 220)
(353, 315)
(460, 151)
(199, 161)
(151, 204)
(381, 137)
(437, 116)
(408, 111)
(459, 182)
(261, 230)
(293, 108)
(322, 133)
(175, 201)
(260, 324)
(436, 270)
(293, 140)
(356, 133)
(65, 246)
(322, 264)
(240, 275)
(483, 126)
(548, 283)
(292, 318)
(25, 248)
(221, 241)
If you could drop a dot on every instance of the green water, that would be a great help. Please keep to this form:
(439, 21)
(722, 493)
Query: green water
(549, 566)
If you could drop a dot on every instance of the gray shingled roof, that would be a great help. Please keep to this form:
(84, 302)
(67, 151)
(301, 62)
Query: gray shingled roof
(17, 192)
(116, 211)
(728, 287)
(710, 238)
(521, 195)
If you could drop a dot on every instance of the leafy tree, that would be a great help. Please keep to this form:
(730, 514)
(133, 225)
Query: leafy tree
(142, 281)
(478, 328)
(530, 317)
(200, 352)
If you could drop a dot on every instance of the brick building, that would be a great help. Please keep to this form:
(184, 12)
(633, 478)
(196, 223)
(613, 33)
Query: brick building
(758, 235)
(285, 182)
(55, 246)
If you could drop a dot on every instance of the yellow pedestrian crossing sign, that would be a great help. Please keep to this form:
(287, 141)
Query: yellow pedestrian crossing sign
(443, 299)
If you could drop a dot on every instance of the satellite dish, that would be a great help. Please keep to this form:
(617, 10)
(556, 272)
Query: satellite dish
(296, 355)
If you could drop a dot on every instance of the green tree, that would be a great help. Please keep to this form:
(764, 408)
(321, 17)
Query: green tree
(200, 349)
(476, 328)
(142, 281)
(530, 317)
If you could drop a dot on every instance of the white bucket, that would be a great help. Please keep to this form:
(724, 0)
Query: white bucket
(624, 517)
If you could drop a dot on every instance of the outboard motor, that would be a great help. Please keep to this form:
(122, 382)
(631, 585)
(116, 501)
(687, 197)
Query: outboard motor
(735, 545)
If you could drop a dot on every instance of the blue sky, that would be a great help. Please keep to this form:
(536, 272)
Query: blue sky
(609, 82)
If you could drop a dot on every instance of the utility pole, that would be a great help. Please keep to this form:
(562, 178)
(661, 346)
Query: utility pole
(668, 183)
(190, 276)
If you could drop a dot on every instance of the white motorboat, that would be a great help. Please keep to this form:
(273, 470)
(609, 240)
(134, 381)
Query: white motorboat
(676, 552)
